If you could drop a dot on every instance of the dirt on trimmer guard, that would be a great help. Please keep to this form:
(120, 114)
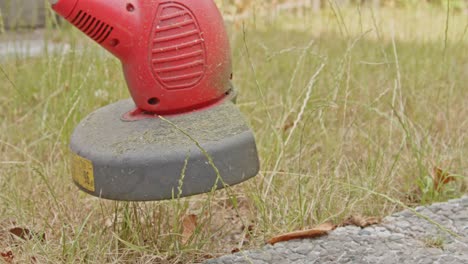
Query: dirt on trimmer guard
(156, 159)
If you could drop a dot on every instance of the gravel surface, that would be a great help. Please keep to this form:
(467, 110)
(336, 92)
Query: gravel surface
(401, 238)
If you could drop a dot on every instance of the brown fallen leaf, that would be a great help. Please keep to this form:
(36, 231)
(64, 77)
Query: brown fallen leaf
(25, 234)
(441, 178)
(315, 232)
(22, 233)
(288, 125)
(248, 231)
(361, 221)
(189, 224)
(7, 256)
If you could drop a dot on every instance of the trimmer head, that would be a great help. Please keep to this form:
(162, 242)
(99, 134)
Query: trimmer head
(156, 159)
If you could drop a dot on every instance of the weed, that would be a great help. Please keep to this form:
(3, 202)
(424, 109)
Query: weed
(434, 242)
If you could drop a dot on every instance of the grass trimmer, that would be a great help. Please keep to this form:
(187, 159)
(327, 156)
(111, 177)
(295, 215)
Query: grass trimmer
(181, 134)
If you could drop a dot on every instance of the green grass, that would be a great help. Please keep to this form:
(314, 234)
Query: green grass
(434, 242)
(344, 105)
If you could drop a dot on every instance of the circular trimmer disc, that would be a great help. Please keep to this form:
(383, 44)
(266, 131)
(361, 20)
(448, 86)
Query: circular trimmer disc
(155, 159)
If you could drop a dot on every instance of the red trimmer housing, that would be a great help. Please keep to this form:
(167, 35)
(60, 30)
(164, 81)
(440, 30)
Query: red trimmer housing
(175, 54)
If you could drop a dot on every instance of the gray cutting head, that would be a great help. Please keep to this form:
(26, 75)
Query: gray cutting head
(153, 159)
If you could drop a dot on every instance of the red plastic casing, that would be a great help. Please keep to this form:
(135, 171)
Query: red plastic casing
(175, 54)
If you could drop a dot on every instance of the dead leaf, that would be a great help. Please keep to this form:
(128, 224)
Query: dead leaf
(441, 178)
(26, 234)
(22, 233)
(7, 256)
(288, 125)
(315, 232)
(189, 224)
(360, 221)
(248, 231)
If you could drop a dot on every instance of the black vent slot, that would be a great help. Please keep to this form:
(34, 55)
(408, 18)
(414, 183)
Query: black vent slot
(91, 26)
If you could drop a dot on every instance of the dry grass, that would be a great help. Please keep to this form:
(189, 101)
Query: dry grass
(344, 106)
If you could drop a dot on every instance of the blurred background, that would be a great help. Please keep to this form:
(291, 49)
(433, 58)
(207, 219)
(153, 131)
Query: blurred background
(16, 14)
(22, 13)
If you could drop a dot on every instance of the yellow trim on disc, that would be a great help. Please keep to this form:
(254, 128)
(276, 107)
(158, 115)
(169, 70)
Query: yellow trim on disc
(83, 172)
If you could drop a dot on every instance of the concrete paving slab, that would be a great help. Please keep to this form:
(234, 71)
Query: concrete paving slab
(401, 238)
